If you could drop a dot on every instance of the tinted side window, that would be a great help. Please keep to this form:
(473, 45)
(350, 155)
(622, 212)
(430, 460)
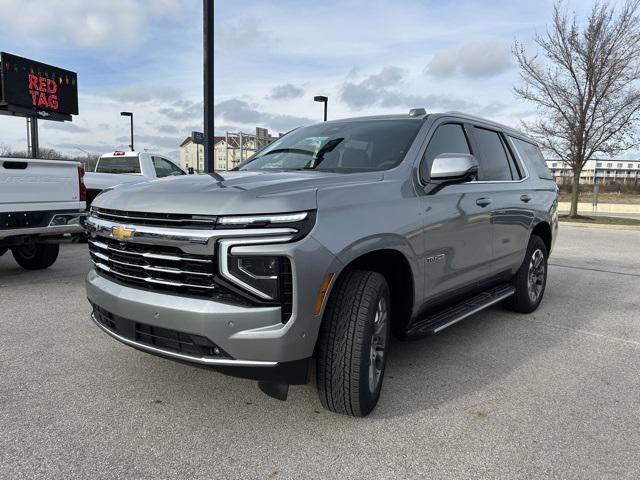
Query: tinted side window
(534, 158)
(164, 168)
(448, 138)
(494, 164)
(118, 165)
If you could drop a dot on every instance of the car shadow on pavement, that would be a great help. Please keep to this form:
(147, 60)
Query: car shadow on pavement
(466, 359)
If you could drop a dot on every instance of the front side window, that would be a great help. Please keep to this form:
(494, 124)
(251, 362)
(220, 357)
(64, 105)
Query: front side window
(494, 162)
(357, 146)
(165, 168)
(118, 165)
(448, 138)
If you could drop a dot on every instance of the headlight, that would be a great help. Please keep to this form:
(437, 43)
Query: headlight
(261, 220)
(259, 274)
(303, 222)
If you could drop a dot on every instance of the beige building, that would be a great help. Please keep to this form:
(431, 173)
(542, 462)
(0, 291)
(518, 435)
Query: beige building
(241, 146)
(605, 171)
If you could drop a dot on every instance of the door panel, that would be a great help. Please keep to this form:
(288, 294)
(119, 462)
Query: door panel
(458, 239)
(512, 221)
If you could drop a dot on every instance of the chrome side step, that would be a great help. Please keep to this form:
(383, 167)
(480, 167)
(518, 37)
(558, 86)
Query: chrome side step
(441, 319)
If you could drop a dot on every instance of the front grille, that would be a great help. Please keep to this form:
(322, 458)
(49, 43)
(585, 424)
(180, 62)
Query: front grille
(156, 219)
(162, 338)
(161, 268)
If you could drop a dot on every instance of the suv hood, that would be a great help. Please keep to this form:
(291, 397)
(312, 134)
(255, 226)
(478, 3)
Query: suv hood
(229, 193)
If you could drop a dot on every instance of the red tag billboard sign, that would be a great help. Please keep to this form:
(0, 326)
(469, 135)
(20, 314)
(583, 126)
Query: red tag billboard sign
(36, 86)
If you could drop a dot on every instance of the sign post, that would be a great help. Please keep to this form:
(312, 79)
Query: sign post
(198, 139)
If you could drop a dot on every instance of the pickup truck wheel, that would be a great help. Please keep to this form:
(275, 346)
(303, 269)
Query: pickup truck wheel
(531, 279)
(353, 343)
(36, 256)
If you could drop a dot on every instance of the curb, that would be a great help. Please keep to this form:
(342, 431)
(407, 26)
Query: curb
(600, 225)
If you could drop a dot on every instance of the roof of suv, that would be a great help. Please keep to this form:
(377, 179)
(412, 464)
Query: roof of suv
(460, 115)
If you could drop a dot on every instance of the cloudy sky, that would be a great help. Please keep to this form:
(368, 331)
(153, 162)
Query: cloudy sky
(271, 58)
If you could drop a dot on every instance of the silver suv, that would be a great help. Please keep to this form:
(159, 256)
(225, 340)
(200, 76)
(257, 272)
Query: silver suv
(322, 245)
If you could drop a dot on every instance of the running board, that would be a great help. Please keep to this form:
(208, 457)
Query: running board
(437, 321)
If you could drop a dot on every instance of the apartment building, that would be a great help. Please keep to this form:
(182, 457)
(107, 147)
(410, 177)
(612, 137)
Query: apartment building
(605, 171)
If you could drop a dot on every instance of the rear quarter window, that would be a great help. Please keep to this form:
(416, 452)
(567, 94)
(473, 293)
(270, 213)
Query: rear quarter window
(531, 154)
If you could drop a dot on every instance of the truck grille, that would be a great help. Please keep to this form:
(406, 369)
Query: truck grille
(155, 219)
(157, 267)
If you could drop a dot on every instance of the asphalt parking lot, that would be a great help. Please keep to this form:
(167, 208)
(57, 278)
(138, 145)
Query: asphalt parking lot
(554, 394)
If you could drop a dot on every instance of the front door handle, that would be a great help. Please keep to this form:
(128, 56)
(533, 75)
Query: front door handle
(483, 202)
(525, 198)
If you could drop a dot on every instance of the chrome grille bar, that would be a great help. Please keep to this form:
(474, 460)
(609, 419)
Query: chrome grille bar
(157, 256)
(106, 268)
(151, 268)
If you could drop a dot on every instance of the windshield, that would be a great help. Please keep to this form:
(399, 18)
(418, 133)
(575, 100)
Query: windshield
(343, 147)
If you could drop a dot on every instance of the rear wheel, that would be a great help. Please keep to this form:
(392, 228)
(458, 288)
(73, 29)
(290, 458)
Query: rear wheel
(353, 343)
(36, 256)
(531, 279)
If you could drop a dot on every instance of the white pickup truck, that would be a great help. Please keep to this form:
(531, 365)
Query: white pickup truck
(125, 167)
(41, 201)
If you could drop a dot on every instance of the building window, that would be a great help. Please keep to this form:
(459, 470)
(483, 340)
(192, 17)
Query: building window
(619, 165)
(554, 165)
(630, 165)
(599, 164)
(609, 165)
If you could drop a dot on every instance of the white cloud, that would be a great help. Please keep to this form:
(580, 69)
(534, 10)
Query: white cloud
(86, 23)
(284, 92)
(473, 60)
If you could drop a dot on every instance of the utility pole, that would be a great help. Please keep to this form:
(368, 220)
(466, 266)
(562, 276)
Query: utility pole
(208, 86)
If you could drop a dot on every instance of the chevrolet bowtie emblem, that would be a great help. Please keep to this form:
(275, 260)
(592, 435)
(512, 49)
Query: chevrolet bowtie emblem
(121, 232)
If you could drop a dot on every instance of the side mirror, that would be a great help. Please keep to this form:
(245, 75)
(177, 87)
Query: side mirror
(450, 168)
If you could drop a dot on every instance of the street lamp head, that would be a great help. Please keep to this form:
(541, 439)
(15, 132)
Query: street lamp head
(126, 114)
(320, 98)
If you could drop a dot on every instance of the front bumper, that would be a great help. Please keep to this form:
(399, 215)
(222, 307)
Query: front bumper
(259, 345)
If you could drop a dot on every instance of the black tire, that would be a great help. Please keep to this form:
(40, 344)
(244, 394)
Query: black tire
(355, 331)
(523, 301)
(36, 256)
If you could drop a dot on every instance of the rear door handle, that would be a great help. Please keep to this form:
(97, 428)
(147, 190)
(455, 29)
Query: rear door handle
(483, 202)
(525, 198)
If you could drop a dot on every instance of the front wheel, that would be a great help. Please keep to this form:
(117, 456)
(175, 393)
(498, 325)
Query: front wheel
(353, 343)
(36, 256)
(531, 279)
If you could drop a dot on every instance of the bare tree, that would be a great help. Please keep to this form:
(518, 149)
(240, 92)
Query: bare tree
(584, 85)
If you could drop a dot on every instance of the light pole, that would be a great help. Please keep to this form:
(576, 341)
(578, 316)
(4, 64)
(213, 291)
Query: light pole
(208, 48)
(129, 114)
(86, 163)
(322, 99)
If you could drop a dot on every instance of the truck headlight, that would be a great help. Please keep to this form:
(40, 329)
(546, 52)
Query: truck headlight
(302, 222)
(268, 277)
(259, 274)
